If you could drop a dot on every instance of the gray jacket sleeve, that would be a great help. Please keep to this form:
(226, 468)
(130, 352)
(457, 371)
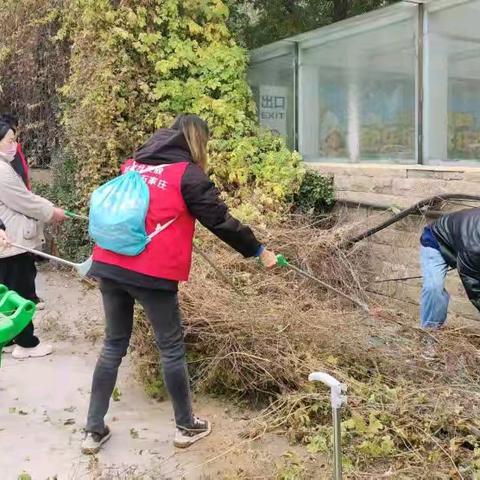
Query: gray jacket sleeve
(18, 198)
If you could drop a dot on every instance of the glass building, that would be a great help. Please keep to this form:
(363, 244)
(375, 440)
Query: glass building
(397, 85)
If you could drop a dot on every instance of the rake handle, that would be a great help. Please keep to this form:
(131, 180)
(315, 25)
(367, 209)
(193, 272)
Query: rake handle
(283, 262)
(44, 255)
(220, 273)
(70, 214)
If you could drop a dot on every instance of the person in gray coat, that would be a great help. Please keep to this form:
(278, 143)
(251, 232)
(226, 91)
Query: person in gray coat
(23, 214)
(3, 237)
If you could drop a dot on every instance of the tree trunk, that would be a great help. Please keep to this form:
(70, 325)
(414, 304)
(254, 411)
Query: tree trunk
(340, 9)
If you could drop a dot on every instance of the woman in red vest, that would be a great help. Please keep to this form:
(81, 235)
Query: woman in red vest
(173, 164)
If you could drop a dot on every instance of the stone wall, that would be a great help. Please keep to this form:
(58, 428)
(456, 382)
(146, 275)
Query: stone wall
(381, 190)
(394, 251)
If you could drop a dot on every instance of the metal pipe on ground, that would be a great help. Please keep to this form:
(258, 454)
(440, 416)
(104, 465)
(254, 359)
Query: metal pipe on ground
(337, 398)
(417, 207)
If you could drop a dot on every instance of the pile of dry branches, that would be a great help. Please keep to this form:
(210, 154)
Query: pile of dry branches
(253, 338)
(260, 340)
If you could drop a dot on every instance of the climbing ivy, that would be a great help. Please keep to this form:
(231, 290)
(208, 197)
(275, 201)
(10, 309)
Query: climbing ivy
(136, 64)
(32, 68)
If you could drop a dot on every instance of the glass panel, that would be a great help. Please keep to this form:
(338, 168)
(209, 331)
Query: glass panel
(272, 83)
(452, 84)
(357, 94)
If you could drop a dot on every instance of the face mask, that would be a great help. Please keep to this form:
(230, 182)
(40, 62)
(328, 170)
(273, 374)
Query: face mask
(10, 152)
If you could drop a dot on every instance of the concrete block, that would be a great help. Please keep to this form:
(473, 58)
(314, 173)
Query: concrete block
(402, 201)
(464, 308)
(427, 188)
(359, 183)
(396, 255)
(472, 174)
(419, 187)
(435, 173)
(391, 236)
(350, 169)
(454, 285)
(378, 171)
(396, 270)
(352, 215)
(364, 184)
(329, 169)
(470, 188)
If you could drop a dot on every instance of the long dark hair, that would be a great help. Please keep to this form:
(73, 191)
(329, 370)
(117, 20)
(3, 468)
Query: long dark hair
(4, 129)
(196, 133)
(11, 119)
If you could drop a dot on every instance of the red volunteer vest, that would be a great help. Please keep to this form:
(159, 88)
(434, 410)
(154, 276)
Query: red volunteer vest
(169, 254)
(25, 165)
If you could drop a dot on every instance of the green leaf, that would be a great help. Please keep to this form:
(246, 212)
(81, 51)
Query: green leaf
(318, 444)
(116, 394)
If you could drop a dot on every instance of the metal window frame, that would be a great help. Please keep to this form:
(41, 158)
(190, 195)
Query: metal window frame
(296, 95)
(359, 24)
(420, 83)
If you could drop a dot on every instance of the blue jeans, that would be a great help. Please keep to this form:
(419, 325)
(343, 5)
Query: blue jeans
(434, 298)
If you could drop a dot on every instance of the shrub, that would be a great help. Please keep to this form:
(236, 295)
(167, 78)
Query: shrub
(316, 194)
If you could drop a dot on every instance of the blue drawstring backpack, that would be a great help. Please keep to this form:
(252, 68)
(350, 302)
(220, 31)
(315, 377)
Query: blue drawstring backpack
(118, 210)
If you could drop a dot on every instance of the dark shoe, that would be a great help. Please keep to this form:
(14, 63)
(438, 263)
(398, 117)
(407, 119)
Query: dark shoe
(185, 437)
(93, 441)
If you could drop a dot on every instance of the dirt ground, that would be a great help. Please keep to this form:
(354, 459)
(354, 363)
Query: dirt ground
(43, 405)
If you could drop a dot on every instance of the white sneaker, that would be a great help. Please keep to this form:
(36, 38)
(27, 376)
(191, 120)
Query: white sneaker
(184, 437)
(41, 350)
(8, 349)
(40, 305)
(93, 441)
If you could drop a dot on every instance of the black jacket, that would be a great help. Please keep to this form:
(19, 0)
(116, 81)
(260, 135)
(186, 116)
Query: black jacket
(458, 235)
(202, 199)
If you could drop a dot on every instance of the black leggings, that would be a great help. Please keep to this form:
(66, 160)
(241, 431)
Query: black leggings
(18, 273)
(161, 308)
